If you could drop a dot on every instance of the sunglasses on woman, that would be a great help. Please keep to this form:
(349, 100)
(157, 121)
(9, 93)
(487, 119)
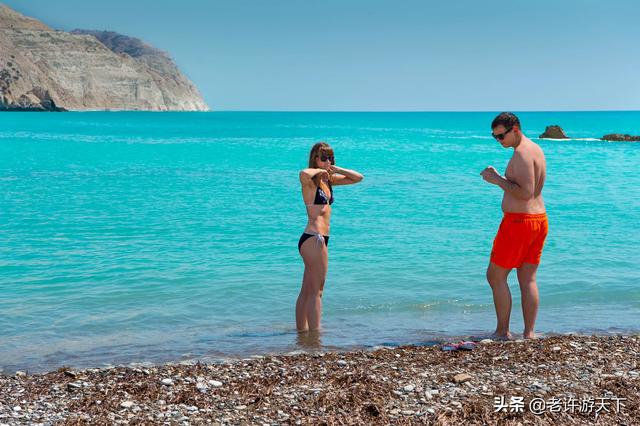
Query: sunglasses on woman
(500, 136)
(325, 157)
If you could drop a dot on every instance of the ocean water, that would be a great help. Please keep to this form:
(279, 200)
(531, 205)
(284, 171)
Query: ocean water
(151, 237)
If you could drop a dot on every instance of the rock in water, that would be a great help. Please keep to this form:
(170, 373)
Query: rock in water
(620, 137)
(553, 132)
(42, 69)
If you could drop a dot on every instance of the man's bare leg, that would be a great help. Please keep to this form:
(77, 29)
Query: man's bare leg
(497, 278)
(530, 301)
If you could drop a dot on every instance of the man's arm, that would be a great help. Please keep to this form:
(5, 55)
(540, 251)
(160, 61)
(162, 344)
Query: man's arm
(522, 183)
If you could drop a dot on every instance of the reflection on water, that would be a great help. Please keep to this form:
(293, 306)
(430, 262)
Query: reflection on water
(309, 340)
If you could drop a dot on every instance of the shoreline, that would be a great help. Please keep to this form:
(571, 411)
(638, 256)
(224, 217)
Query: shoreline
(298, 344)
(573, 375)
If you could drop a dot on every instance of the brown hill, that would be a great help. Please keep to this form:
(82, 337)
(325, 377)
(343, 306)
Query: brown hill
(45, 69)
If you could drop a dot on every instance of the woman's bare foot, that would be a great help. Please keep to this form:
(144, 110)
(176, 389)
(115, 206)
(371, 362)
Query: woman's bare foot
(501, 337)
(493, 336)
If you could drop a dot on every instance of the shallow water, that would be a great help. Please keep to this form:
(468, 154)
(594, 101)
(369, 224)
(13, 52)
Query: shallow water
(162, 236)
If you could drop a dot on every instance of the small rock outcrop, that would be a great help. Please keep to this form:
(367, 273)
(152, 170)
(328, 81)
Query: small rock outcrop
(553, 132)
(42, 69)
(36, 99)
(620, 137)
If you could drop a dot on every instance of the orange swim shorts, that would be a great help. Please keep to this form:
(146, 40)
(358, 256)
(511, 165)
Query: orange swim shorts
(519, 240)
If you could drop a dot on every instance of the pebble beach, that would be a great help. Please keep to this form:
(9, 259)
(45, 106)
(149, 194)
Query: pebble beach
(555, 380)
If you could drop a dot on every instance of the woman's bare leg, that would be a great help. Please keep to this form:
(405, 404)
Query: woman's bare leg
(309, 304)
(301, 306)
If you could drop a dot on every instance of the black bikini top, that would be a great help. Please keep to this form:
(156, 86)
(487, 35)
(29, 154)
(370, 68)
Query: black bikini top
(321, 196)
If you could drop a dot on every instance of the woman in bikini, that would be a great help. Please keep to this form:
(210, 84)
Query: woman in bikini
(317, 192)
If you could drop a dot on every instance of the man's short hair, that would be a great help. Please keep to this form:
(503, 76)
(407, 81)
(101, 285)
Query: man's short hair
(507, 119)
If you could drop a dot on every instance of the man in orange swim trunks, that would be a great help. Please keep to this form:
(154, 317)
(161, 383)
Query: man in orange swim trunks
(524, 226)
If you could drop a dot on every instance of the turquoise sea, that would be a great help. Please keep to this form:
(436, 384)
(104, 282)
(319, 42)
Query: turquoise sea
(151, 237)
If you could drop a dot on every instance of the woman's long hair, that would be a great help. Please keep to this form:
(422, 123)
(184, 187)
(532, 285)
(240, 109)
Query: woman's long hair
(317, 149)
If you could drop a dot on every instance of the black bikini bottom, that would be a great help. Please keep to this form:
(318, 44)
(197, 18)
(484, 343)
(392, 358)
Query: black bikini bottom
(304, 237)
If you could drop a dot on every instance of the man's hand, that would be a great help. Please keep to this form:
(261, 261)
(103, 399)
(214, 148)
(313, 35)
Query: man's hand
(491, 175)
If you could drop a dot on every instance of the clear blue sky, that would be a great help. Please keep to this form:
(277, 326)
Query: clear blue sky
(375, 55)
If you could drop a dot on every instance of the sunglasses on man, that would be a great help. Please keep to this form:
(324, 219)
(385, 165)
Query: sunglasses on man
(500, 136)
(325, 157)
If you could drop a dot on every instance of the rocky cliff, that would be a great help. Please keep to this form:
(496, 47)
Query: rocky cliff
(45, 69)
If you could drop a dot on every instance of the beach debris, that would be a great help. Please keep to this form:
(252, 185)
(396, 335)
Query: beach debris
(461, 346)
(424, 385)
(70, 373)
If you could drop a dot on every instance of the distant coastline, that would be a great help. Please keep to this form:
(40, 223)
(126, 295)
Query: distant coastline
(86, 70)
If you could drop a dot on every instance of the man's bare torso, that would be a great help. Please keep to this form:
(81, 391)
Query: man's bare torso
(531, 153)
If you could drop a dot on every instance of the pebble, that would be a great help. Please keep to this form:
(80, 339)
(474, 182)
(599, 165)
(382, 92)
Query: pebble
(73, 386)
(167, 382)
(461, 378)
(418, 393)
(556, 348)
